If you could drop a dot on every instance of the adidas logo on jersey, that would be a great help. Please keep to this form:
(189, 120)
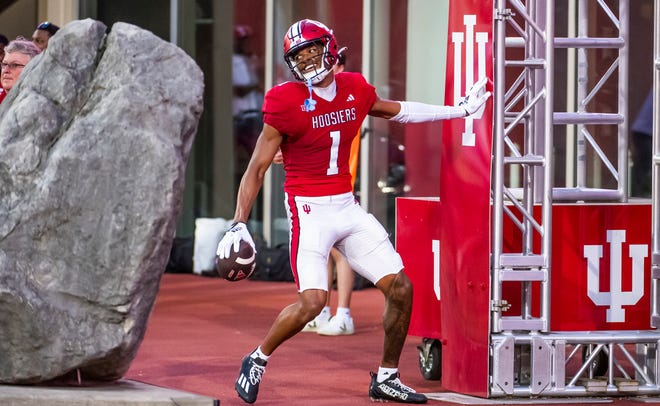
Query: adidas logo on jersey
(350, 98)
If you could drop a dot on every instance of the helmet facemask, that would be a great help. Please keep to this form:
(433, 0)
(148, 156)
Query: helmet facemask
(323, 62)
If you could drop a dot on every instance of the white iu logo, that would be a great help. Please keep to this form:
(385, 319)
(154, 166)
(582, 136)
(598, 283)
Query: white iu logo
(468, 37)
(615, 298)
(435, 246)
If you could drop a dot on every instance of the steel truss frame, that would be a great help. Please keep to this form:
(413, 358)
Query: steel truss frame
(527, 359)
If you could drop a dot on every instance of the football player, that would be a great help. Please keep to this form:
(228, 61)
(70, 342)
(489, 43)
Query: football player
(313, 120)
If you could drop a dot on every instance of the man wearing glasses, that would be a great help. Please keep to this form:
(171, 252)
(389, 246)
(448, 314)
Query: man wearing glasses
(17, 54)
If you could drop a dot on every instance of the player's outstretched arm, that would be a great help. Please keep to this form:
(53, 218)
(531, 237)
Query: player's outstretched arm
(414, 112)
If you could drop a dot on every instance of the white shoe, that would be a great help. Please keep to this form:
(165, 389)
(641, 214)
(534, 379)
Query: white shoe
(338, 326)
(319, 321)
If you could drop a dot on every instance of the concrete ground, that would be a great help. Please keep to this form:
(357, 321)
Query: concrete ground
(121, 393)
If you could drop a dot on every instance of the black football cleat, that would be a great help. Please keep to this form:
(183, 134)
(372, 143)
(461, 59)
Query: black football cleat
(393, 390)
(247, 384)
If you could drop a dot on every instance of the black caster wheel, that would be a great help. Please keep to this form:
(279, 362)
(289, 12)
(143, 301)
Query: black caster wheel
(430, 359)
(599, 364)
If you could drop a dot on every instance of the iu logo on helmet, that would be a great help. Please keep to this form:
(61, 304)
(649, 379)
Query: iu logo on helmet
(468, 38)
(616, 298)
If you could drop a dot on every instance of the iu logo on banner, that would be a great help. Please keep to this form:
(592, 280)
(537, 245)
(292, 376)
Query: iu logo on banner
(467, 143)
(601, 267)
(616, 297)
(468, 40)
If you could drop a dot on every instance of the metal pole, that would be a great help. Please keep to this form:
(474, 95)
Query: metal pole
(174, 21)
(570, 95)
(655, 227)
(624, 33)
(583, 78)
(548, 178)
(498, 167)
(269, 68)
(367, 41)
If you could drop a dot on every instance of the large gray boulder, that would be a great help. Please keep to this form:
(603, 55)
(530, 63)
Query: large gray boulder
(94, 140)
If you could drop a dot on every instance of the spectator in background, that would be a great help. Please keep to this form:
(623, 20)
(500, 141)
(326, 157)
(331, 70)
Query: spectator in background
(642, 149)
(42, 34)
(3, 43)
(17, 54)
(247, 99)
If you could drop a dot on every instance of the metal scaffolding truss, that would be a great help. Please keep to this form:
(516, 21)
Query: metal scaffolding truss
(526, 357)
(655, 259)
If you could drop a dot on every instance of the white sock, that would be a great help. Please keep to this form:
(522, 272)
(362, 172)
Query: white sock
(258, 354)
(384, 373)
(325, 312)
(343, 312)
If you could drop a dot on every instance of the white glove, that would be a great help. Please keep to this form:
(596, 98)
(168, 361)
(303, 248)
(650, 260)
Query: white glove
(475, 99)
(232, 238)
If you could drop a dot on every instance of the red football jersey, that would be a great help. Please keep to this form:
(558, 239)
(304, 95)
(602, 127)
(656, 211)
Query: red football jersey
(316, 144)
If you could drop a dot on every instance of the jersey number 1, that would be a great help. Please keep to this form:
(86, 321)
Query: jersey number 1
(333, 169)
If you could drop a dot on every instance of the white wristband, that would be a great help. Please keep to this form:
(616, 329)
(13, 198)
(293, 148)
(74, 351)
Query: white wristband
(414, 112)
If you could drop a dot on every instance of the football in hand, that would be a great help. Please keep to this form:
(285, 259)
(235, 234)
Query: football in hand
(239, 265)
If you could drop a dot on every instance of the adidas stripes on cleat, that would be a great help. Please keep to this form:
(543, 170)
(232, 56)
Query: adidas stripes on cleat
(392, 389)
(247, 384)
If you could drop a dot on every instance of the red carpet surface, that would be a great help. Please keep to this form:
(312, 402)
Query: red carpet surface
(201, 328)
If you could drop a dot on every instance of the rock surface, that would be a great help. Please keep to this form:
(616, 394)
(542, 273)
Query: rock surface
(94, 140)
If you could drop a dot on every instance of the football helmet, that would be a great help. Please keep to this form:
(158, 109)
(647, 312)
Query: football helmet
(303, 34)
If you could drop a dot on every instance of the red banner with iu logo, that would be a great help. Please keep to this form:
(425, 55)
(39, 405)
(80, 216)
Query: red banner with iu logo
(465, 171)
(601, 265)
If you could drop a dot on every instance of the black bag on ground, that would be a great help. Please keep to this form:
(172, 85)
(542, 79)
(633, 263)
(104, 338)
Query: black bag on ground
(181, 256)
(273, 264)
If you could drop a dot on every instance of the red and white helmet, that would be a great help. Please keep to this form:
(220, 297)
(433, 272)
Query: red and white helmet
(303, 34)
